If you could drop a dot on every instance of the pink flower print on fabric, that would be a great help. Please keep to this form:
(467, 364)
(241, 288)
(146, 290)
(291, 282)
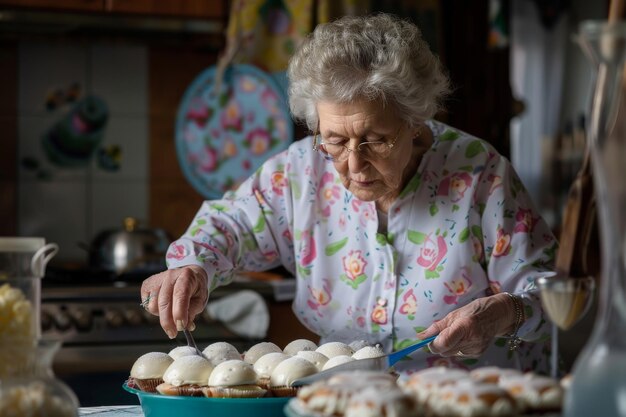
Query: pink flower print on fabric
(496, 181)
(409, 306)
(354, 269)
(287, 236)
(342, 222)
(308, 252)
(503, 243)
(328, 193)
(177, 252)
(319, 297)
(455, 185)
(279, 182)
(524, 221)
(379, 314)
(231, 117)
(358, 315)
(258, 140)
(365, 210)
(457, 287)
(431, 254)
(477, 246)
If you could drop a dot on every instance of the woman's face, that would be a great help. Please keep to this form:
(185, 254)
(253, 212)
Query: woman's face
(374, 179)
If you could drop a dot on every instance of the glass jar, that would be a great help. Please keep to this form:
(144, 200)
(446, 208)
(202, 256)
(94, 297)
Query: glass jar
(28, 386)
(598, 386)
(22, 265)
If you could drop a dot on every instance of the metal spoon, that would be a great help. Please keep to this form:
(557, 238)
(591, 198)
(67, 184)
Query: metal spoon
(191, 343)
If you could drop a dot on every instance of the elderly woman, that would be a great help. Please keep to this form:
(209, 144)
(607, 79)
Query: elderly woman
(396, 227)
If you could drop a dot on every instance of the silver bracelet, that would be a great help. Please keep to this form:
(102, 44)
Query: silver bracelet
(514, 340)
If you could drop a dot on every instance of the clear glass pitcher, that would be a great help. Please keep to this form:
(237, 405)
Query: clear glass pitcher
(28, 386)
(22, 265)
(598, 386)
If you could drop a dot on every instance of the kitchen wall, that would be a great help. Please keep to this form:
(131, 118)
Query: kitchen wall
(68, 204)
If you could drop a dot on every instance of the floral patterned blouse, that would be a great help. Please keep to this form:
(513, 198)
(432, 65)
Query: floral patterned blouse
(463, 228)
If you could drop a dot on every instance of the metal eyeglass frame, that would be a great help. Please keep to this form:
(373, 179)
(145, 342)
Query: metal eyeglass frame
(317, 145)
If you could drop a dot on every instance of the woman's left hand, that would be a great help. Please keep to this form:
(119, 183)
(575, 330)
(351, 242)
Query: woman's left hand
(469, 330)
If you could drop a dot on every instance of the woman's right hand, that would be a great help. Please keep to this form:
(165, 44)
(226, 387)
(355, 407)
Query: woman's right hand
(177, 296)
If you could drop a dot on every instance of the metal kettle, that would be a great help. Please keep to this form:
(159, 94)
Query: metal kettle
(130, 249)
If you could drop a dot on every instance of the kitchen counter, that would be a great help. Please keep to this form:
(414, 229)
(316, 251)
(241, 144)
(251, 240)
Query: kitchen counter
(112, 411)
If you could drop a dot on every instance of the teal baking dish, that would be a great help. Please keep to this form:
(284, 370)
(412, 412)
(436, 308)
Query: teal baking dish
(156, 405)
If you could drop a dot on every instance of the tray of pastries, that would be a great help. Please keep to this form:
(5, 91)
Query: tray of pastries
(258, 382)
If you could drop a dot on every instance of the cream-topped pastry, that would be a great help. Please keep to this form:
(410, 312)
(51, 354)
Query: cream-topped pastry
(148, 370)
(330, 397)
(427, 381)
(374, 402)
(299, 345)
(368, 352)
(316, 358)
(188, 370)
(332, 349)
(265, 365)
(219, 352)
(493, 374)
(234, 378)
(258, 350)
(232, 372)
(336, 361)
(151, 365)
(286, 372)
(469, 398)
(181, 351)
(534, 393)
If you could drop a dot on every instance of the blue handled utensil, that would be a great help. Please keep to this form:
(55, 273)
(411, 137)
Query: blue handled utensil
(381, 363)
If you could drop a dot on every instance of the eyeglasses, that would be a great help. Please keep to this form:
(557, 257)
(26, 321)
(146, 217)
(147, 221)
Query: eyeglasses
(339, 152)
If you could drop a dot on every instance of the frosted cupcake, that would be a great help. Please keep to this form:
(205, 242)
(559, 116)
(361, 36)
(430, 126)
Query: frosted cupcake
(336, 361)
(316, 358)
(299, 345)
(332, 349)
(258, 350)
(219, 352)
(147, 371)
(181, 351)
(265, 365)
(186, 376)
(286, 373)
(369, 352)
(234, 379)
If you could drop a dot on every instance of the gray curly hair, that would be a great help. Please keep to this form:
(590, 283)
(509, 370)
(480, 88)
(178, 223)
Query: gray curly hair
(372, 57)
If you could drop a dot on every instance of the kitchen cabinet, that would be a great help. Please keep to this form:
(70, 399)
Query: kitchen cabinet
(197, 9)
